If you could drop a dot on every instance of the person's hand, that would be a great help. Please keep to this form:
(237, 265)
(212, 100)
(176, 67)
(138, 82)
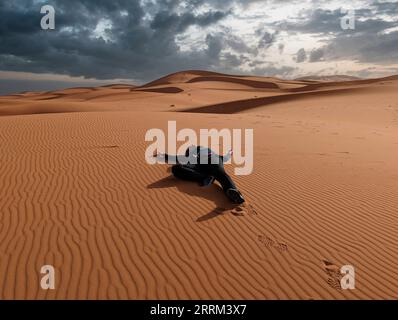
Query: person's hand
(228, 156)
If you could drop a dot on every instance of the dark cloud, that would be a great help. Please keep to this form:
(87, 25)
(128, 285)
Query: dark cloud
(179, 23)
(389, 8)
(142, 41)
(267, 39)
(143, 37)
(233, 60)
(379, 49)
(370, 41)
(328, 22)
(214, 46)
(301, 55)
(238, 44)
(316, 55)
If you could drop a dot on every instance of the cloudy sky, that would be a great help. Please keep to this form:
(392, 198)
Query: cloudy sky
(97, 41)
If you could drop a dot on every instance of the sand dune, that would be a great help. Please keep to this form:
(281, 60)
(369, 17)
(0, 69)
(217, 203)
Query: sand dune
(247, 104)
(76, 192)
(335, 78)
(180, 77)
(249, 83)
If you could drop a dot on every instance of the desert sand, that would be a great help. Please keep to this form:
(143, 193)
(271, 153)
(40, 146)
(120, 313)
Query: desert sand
(76, 192)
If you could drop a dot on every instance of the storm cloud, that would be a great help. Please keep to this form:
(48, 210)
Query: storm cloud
(138, 43)
(145, 39)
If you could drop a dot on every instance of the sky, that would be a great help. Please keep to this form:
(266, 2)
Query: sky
(97, 42)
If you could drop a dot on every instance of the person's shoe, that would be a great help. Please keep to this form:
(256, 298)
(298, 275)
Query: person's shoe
(235, 196)
(207, 181)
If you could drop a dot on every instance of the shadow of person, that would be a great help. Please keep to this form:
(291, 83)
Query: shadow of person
(212, 193)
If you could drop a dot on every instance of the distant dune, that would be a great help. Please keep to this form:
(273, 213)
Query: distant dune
(76, 192)
(335, 78)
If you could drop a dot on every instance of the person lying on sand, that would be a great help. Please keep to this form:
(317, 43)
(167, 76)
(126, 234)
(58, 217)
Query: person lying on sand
(204, 166)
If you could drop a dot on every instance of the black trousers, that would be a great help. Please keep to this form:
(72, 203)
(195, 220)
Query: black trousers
(201, 172)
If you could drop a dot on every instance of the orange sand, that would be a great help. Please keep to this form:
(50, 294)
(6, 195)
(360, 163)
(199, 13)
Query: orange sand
(76, 192)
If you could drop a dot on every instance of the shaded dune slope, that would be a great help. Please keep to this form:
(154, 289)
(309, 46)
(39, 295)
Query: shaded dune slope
(248, 104)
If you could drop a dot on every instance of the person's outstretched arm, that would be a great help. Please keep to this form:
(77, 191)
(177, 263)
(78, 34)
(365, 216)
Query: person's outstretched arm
(167, 158)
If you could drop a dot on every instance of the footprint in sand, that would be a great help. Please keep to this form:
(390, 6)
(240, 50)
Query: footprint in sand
(244, 209)
(252, 210)
(334, 275)
(238, 211)
(270, 243)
